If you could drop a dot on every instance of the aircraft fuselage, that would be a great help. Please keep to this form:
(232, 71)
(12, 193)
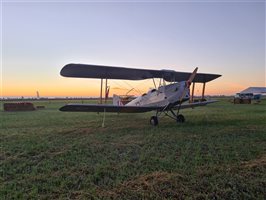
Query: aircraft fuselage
(165, 95)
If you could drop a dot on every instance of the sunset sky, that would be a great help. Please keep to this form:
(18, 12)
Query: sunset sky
(38, 39)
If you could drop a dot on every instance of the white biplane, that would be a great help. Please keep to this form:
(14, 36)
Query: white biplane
(164, 99)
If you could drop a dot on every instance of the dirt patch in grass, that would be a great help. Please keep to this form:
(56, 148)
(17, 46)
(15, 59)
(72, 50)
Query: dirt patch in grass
(244, 181)
(258, 162)
(156, 185)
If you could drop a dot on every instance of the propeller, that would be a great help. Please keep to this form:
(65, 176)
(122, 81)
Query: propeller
(188, 83)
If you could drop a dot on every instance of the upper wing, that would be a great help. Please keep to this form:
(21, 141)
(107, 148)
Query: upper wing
(99, 71)
(105, 108)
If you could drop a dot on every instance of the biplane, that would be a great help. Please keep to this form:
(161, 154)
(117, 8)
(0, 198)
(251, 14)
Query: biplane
(167, 99)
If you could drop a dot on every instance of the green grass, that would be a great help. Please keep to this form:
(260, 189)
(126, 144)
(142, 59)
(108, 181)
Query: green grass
(218, 153)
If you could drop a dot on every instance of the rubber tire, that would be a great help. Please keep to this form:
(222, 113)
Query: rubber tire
(154, 121)
(180, 119)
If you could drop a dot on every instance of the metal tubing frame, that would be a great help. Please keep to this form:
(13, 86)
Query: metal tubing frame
(173, 116)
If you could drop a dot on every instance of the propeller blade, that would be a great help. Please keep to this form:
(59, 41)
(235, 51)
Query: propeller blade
(189, 81)
(192, 76)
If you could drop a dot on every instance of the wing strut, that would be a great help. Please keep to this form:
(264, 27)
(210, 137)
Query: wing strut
(154, 83)
(203, 91)
(191, 100)
(106, 88)
(105, 99)
(106, 91)
(101, 92)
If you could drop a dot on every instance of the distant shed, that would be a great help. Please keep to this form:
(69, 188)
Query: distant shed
(254, 90)
(23, 106)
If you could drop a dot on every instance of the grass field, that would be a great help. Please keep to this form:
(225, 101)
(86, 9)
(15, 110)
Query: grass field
(218, 153)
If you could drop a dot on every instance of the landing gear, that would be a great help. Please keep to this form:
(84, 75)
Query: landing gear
(175, 116)
(154, 120)
(180, 118)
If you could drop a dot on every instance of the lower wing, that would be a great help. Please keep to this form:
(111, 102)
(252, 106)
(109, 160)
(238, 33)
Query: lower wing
(193, 105)
(126, 109)
(105, 108)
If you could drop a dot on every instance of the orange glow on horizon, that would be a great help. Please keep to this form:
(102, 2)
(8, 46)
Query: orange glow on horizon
(93, 90)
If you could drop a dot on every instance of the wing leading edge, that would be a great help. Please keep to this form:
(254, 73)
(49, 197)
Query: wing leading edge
(124, 109)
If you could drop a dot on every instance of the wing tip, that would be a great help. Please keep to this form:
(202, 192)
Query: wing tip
(63, 108)
(65, 70)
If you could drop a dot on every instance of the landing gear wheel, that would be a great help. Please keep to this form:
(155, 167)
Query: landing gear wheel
(154, 121)
(180, 119)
